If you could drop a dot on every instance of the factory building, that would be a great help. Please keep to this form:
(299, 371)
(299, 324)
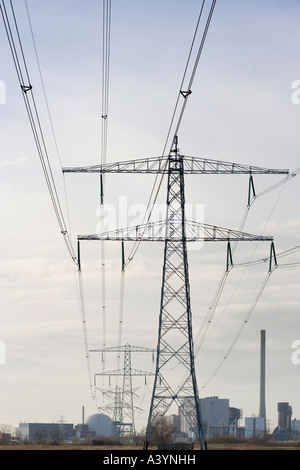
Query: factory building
(255, 427)
(219, 419)
(284, 431)
(214, 410)
(296, 426)
(97, 425)
(284, 416)
(45, 432)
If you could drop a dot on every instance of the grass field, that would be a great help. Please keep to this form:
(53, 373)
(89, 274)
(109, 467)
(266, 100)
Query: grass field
(232, 444)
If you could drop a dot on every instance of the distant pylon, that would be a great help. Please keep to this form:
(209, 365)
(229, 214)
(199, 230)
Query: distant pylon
(123, 411)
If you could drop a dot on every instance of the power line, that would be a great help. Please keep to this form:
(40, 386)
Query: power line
(106, 35)
(183, 78)
(213, 306)
(183, 94)
(36, 127)
(106, 30)
(49, 113)
(22, 71)
(240, 330)
(280, 183)
(84, 326)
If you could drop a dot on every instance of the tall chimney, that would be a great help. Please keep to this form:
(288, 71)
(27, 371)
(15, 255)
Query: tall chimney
(82, 415)
(262, 397)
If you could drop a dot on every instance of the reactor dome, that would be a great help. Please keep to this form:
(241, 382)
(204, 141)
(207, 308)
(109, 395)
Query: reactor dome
(101, 424)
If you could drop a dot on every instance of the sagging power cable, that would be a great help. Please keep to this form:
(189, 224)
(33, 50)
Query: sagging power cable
(184, 93)
(17, 51)
(241, 328)
(106, 35)
(48, 112)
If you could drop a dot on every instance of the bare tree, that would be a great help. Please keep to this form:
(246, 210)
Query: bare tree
(162, 432)
(6, 431)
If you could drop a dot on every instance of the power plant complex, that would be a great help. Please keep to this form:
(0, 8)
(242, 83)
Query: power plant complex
(219, 419)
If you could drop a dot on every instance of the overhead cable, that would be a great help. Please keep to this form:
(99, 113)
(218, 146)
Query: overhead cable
(48, 111)
(21, 67)
(240, 330)
(84, 325)
(184, 94)
(106, 34)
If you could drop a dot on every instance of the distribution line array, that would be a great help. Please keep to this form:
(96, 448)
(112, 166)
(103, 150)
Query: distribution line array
(17, 51)
(154, 193)
(22, 70)
(106, 47)
(184, 92)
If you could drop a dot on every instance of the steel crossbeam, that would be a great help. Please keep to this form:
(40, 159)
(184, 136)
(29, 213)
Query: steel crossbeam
(156, 231)
(191, 165)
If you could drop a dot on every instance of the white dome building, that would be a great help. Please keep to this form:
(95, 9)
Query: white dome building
(101, 424)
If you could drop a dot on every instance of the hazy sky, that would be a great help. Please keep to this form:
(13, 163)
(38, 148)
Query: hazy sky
(240, 110)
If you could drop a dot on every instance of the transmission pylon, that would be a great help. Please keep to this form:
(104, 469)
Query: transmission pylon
(123, 410)
(175, 377)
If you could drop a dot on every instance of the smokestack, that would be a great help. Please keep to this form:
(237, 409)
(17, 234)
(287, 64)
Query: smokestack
(262, 397)
(82, 415)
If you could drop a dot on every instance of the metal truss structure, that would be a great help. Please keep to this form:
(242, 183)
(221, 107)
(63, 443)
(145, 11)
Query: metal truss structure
(175, 347)
(156, 231)
(192, 165)
(123, 407)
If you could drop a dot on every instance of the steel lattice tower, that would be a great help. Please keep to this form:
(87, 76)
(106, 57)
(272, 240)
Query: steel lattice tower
(175, 348)
(175, 339)
(123, 408)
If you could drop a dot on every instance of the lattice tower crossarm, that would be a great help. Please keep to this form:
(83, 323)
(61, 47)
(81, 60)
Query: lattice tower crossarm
(192, 165)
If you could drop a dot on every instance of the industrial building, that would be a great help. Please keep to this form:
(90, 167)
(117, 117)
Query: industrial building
(97, 425)
(285, 412)
(45, 432)
(286, 429)
(255, 427)
(214, 410)
(296, 426)
(100, 425)
(219, 419)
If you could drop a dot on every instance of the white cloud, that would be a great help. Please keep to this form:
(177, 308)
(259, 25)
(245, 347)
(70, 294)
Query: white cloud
(13, 163)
